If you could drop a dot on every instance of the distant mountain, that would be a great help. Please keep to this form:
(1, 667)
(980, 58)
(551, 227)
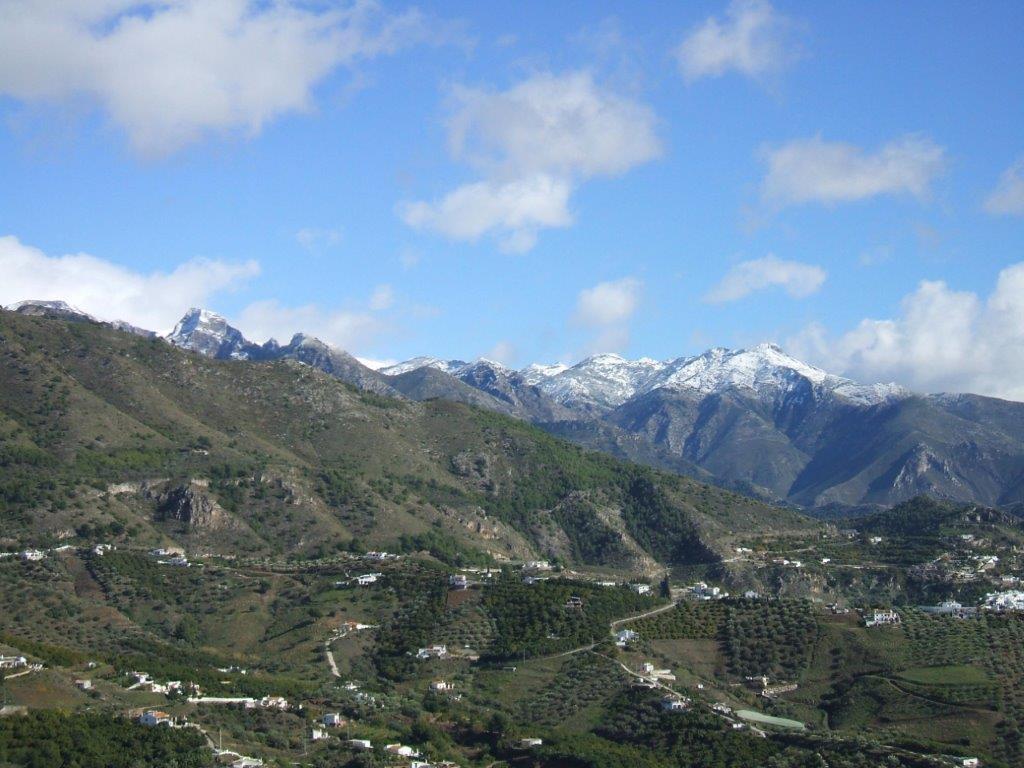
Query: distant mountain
(64, 311)
(755, 420)
(108, 436)
(211, 335)
(763, 421)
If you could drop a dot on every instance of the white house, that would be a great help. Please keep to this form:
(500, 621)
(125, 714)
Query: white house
(367, 579)
(530, 743)
(155, 717)
(624, 636)
(675, 704)
(641, 589)
(359, 743)
(333, 720)
(274, 702)
(435, 651)
(247, 762)
(458, 581)
(882, 618)
(442, 685)
(32, 555)
(13, 662)
(401, 749)
(84, 684)
(319, 734)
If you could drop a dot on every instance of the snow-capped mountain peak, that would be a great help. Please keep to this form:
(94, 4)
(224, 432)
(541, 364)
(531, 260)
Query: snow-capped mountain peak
(605, 381)
(208, 333)
(537, 372)
(424, 361)
(50, 308)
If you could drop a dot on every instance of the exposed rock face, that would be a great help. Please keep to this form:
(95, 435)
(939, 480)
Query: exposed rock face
(189, 505)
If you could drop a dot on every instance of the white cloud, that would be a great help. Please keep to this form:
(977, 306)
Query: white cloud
(942, 340)
(754, 40)
(608, 303)
(154, 300)
(170, 72)
(382, 298)
(516, 209)
(312, 238)
(533, 144)
(1007, 199)
(345, 329)
(796, 278)
(817, 171)
(503, 352)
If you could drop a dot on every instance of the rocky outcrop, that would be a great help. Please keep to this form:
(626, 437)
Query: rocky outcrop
(191, 506)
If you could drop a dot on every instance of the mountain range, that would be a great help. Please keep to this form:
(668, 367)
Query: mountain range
(755, 420)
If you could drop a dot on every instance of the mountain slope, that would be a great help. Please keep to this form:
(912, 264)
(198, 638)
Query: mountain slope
(108, 435)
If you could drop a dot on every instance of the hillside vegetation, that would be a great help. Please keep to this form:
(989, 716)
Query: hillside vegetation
(106, 436)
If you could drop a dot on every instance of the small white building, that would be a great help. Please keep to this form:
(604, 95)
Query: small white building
(274, 702)
(675, 704)
(882, 618)
(367, 579)
(319, 734)
(458, 581)
(432, 651)
(247, 762)
(442, 685)
(155, 717)
(83, 684)
(641, 589)
(625, 636)
(401, 750)
(530, 743)
(13, 662)
(360, 744)
(333, 720)
(32, 555)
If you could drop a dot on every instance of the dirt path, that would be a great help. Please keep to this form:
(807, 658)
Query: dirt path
(655, 612)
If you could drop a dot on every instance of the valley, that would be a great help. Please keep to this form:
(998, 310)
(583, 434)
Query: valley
(276, 565)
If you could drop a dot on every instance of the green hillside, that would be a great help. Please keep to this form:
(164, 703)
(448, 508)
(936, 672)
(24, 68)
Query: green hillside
(108, 437)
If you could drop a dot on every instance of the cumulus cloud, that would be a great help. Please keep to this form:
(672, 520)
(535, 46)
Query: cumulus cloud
(817, 171)
(533, 144)
(754, 39)
(606, 309)
(154, 300)
(346, 329)
(942, 340)
(794, 277)
(172, 71)
(517, 208)
(1007, 199)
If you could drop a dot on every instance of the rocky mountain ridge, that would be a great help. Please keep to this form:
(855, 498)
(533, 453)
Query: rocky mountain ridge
(757, 419)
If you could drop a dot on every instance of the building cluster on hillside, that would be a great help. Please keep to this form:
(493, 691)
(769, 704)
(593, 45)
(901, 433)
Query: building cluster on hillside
(950, 608)
(1004, 602)
(764, 686)
(702, 591)
(950, 568)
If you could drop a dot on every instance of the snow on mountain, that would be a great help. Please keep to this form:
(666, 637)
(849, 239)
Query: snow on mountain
(602, 381)
(537, 372)
(607, 381)
(767, 371)
(51, 309)
(448, 366)
(207, 333)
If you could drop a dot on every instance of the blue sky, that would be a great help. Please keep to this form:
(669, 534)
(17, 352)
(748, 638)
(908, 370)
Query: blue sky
(531, 181)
